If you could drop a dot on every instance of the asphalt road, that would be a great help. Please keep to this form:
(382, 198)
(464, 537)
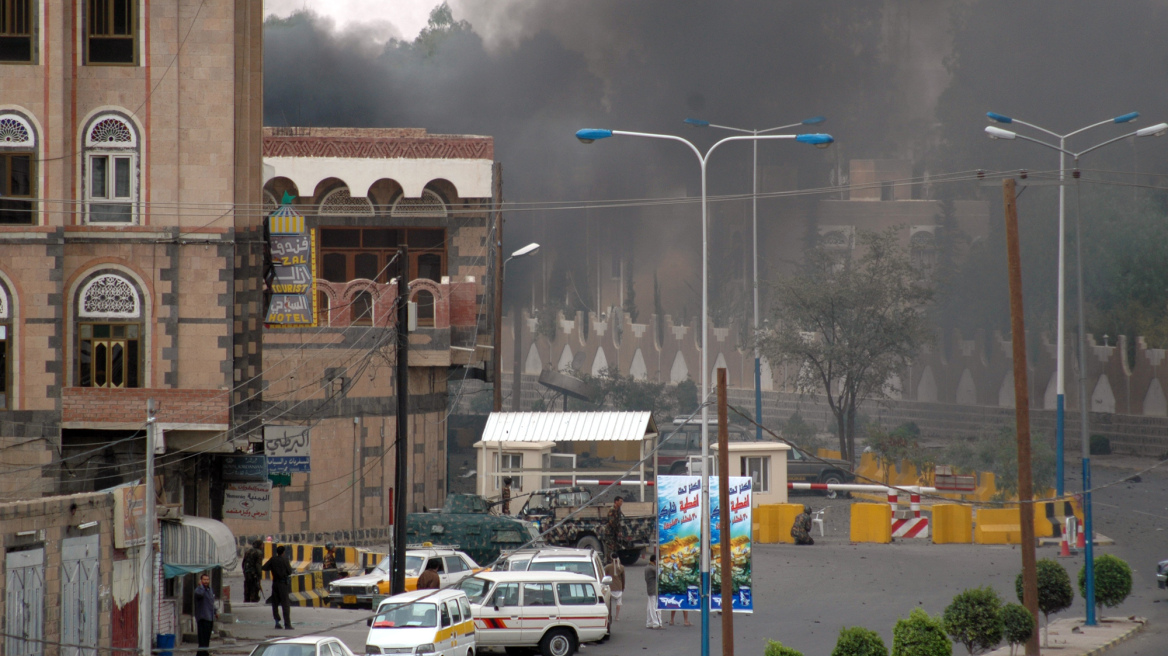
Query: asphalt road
(805, 595)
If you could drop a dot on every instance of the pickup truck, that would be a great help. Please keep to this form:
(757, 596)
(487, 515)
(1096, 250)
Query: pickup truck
(588, 528)
(802, 468)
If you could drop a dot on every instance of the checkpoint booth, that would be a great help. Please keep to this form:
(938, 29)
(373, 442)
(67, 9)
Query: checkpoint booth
(551, 449)
(764, 462)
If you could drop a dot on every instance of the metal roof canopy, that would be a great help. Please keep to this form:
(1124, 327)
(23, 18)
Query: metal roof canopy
(569, 427)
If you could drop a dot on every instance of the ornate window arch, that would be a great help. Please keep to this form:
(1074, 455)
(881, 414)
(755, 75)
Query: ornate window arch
(18, 162)
(340, 202)
(110, 333)
(109, 296)
(429, 204)
(270, 204)
(111, 169)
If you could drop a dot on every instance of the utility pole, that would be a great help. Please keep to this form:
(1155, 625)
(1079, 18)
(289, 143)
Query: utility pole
(146, 585)
(497, 338)
(400, 479)
(1021, 412)
(727, 568)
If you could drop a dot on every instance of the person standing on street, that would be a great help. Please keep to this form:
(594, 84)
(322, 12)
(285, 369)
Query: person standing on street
(253, 560)
(652, 616)
(281, 572)
(617, 588)
(430, 579)
(615, 531)
(506, 495)
(205, 612)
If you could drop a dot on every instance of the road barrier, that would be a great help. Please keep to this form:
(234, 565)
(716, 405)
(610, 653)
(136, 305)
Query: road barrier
(775, 521)
(871, 522)
(308, 589)
(952, 524)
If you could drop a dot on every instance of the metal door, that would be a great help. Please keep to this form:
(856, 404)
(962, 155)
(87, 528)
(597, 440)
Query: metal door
(24, 611)
(80, 578)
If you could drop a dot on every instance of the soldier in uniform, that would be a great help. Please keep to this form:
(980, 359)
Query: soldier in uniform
(506, 495)
(615, 528)
(801, 529)
(253, 560)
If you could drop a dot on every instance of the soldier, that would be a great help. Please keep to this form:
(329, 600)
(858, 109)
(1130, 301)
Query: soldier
(253, 560)
(801, 529)
(615, 528)
(506, 495)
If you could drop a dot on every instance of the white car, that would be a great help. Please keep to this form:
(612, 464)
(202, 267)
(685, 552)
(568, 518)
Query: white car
(559, 559)
(368, 589)
(554, 611)
(303, 646)
(435, 622)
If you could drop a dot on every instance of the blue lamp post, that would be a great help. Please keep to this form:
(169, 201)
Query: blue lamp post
(1157, 130)
(698, 123)
(820, 141)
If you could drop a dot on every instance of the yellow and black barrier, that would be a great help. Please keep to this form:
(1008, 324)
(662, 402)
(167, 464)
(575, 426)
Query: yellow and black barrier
(308, 589)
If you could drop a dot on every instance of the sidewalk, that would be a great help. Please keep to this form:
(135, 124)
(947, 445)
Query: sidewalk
(1068, 637)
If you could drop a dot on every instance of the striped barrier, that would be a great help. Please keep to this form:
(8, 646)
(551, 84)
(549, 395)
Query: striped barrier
(308, 590)
(908, 527)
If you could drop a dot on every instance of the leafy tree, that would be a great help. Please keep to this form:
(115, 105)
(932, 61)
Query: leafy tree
(1054, 591)
(920, 635)
(1017, 624)
(776, 648)
(1113, 581)
(801, 433)
(848, 325)
(895, 446)
(439, 27)
(858, 641)
(974, 619)
(622, 392)
(685, 397)
(997, 452)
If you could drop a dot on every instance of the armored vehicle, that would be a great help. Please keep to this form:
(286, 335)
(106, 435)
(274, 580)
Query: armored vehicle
(578, 524)
(465, 520)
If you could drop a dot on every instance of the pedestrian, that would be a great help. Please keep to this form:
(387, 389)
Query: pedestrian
(205, 612)
(652, 616)
(616, 572)
(684, 617)
(615, 532)
(281, 572)
(253, 561)
(430, 580)
(801, 529)
(506, 495)
(330, 556)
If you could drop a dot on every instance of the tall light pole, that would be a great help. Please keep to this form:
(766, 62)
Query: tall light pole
(1060, 374)
(530, 249)
(819, 140)
(1088, 536)
(698, 123)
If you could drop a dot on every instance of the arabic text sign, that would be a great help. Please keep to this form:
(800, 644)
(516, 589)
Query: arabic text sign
(245, 468)
(286, 448)
(293, 259)
(129, 516)
(248, 500)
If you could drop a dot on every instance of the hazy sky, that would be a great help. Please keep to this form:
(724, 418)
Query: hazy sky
(408, 17)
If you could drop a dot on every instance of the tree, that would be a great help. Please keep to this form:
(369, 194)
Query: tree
(1017, 625)
(997, 452)
(920, 635)
(849, 325)
(1113, 581)
(974, 619)
(1054, 591)
(858, 641)
(622, 392)
(895, 446)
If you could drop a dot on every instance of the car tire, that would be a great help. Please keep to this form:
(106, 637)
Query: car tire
(832, 478)
(558, 642)
(590, 542)
(629, 557)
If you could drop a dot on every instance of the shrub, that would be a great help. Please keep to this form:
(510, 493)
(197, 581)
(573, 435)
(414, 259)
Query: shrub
(776, 648)
(974, 619)
(1113, 581)
(1017, 624)
(858, 641)
(1055, 593)
(1100, 445)
(920, 635)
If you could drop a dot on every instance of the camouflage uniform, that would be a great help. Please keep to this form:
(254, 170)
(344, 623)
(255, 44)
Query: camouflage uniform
(801, 529)
(615, 532)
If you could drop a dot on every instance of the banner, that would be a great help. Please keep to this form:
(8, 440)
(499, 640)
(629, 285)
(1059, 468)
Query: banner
(247, 501)
(679, 543)
(129, 516)
(291, 284)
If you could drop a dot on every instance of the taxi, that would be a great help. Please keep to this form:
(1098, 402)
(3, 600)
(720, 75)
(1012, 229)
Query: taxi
(368, 589)
(434, 622)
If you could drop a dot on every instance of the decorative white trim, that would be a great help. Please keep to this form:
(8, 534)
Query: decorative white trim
(16, 132)
(111, 131)
(430, 204)
(4, 311)
(109, 296)
(339, 202)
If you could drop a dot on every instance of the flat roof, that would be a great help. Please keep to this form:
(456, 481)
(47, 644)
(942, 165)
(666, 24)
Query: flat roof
(569, 427)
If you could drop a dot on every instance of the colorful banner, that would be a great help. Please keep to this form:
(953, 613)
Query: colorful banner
(291, 284)
(679, 543)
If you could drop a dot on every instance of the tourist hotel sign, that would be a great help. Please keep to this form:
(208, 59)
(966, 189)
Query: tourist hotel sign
(293, 261)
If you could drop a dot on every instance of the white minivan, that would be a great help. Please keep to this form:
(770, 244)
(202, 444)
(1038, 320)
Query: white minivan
(554, 611)
(437, 622)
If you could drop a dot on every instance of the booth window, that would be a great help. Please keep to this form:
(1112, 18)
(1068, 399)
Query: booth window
(758, 468)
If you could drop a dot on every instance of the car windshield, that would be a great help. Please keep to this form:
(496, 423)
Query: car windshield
(414, 565)
(475, 588)
(538, 502)
(285, 649)
(408, 616)
(577, 566)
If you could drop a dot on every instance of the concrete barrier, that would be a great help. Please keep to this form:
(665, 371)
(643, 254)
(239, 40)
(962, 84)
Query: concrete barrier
(871, 522)
(997, 526)
(775, 521)
(308, 589)
(952, 524)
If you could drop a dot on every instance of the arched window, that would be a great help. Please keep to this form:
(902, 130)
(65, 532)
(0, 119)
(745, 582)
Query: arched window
(5, 340)
(339, 202)
(322, 309)
(270, 204)
(18, 157)
(111, 170)
(430, 204)
(109, 333)
(361, 311)
(425, 302)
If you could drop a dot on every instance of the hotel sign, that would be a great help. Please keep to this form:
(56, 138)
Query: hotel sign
(293, 260)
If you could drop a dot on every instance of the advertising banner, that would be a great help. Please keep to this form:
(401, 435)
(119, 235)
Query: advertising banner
(129, 516)
(679, 536)
(248, 500)
(286, 448)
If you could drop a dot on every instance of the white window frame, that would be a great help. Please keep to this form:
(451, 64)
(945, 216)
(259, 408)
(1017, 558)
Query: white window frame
(514, 470)
(112, 153)
(764, 463)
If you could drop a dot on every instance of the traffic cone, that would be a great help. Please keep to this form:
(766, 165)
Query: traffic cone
(1080, 542)
(1064, 548)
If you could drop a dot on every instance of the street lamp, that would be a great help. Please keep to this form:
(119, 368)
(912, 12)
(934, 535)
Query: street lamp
(1088, 537)
(698, 123)
(818, 140)
(530, 249)
(998, 133)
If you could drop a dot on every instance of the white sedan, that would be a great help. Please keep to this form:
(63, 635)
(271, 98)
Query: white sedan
(303, 646)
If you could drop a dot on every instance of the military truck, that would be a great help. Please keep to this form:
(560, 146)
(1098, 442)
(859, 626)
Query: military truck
(466, 520)
(588, 528)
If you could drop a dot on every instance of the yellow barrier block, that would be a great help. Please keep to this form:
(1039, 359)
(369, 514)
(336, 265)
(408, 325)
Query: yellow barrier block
(871, 522)
(1043, 528)
(869, 469)
(997, 526)
(775, 521)
(952, 524)
(828, 453)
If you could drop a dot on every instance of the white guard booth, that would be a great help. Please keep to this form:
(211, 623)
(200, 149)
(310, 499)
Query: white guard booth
(765, 463)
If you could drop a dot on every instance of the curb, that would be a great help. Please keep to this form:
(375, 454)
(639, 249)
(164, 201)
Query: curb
(1102, 648)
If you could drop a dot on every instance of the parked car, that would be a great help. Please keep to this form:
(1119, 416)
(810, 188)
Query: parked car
(438, 622)
(367, 590)
(1162, 574)
(802, 468)
(559, 559)
(303, 646)
(554, 611)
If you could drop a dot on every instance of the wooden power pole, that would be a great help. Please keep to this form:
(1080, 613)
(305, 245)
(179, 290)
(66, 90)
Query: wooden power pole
(727, 568)
(401, 452)
(1021, 413)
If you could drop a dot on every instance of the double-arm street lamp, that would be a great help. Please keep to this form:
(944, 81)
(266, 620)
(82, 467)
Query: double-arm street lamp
(698, 123)
(1088, 537)
(819, 140)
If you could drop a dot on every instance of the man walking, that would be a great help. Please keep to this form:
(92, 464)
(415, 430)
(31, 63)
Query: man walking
(281, 572)
(253, 560)
(430, 580)
(617, 588)
(652, 616)
(205, 613)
